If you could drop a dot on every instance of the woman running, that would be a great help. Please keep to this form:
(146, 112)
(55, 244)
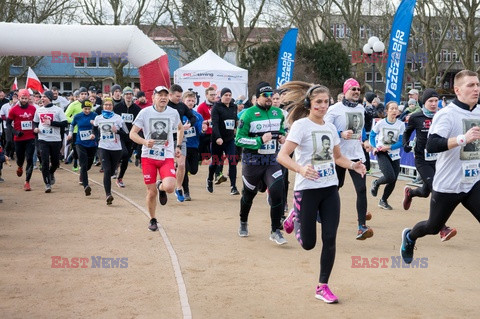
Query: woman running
(111, 127)
(316, 181)
(386, 140)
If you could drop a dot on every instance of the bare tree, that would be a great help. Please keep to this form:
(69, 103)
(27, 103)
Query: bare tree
(465, 12)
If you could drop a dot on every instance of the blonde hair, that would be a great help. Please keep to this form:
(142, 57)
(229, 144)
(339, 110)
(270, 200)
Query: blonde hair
(188, 94)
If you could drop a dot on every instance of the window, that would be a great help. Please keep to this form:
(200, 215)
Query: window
(448, 56)
(103, 62)
(46, 84)
(348, 32)
(378, 77)
(362, 32)
(368, 76)
(417, 85)
(56, 84)
(476, 58)
(67, 86)
(340, 31)
(439, 57)
(18, 61)
(92, 62)
(79, 62)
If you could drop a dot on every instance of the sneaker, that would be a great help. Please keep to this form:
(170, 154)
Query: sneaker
(98, 163)
(88, 190)
(19, 171)
(407, 198)
(153, 225)
(374, 188)
(220, 180)
(407, 247)
(162, 195)
(101, 170)
(277, 237)
(243, 229)
(288, 223)
(26, 187)
(324, 293)
(80, 180)
(75, 169)
(368, 216)
(209, 186)
(120, 183)
(48, 188)
(52, 179)
(137, 162)
(446, 233)
(187, 197)
(179, 194)
(2, 180)
(384, 204)
(364, 232)
(234, 191)
(109, 199)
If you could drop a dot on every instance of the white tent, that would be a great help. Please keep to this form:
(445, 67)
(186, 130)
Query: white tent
(212, 70)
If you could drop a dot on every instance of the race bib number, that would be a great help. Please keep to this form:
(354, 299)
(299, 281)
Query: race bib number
(229, 124)
(470, 173)
(47, 130)
(26, 125)
(430, 156)
(394, 156)
(190, 132)
(325, 170)
(127, 118)
(107, 136)
(268, 147)
(157, 152)
(85, 135)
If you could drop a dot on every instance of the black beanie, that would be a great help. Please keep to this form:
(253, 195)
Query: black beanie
(82, 90)
(49, 94)
(115, 87)
(263, 87)
(225, 90)
(369, 96)
(428, 93)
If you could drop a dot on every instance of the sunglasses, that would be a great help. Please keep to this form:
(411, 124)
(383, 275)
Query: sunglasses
(356, 89)
(267, 94)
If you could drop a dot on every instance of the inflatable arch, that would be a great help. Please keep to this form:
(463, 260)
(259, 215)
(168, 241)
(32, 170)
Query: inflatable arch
(24, 39)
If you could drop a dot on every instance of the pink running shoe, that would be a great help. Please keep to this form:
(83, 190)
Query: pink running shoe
(324, 293)
(288, 222)
(446, 233)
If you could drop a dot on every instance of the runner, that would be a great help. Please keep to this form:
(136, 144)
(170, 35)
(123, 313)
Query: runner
(387, 148)
(420, 122)
(73, 109)
(111, 127)
(21, 115)
(86, 142)
(457, 171)
(260, 130)
(48, 123)
(349, 119)
(316, 181)
(157, 154)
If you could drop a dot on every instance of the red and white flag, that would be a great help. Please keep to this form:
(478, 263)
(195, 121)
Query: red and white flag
(33, 82)
(15, 85)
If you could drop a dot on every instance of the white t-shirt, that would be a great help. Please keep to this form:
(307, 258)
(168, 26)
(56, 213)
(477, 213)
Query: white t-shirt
(457, 169)
(158, 126)
(315, 146)
(388, 134)
(4, 112)
(109, 140)
(46, 132)
(348, 118)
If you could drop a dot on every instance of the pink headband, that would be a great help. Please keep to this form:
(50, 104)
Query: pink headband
(349, 83)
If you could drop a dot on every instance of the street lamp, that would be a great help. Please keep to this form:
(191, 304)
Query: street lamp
(373, 47)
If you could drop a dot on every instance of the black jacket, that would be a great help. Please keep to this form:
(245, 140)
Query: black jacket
(220, 114)
(121, 108)
(183, 110)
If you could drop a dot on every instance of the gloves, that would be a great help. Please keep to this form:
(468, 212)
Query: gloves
(19, 134)
(407, 149)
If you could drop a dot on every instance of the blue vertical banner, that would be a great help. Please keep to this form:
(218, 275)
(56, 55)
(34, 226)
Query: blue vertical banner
(286, 57)
(397, 50)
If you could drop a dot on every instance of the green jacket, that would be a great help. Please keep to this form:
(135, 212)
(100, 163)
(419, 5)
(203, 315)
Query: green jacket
(73, 109)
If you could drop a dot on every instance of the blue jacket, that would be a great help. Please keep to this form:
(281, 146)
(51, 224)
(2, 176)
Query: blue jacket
(84, 127)
(196, 130)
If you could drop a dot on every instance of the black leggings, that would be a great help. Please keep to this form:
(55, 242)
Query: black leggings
(390, 170)
(127, 150)
(360, 184)
(85, 159)
(191, 166)
(442, 206)
(110, 160)
(326, 202)
(272, 177)
(25, 150)
(217, 160)
(50, 158)
(427, 171)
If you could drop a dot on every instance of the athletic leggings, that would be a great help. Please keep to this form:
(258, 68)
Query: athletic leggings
(25, 149)
(360, 184)
(50, 158)
(110, 160)
(85, 159)
(442, 206)
(426, 169)
(272, 177)
(390, 170)
(326, 202)
(127, 150)
(191, 166)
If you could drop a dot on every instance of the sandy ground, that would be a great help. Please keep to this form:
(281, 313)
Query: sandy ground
(225, 276)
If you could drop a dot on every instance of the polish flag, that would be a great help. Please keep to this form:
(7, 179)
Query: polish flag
(33, 82)
(15, 85)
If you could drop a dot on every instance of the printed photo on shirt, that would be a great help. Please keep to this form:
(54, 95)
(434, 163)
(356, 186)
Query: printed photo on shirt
(322, 147)
(355, 123)
(106, 131)
(390, 136)
(471, 151)
(159, 129)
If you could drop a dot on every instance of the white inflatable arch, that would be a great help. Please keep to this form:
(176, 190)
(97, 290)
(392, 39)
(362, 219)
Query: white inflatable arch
(24, 39)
